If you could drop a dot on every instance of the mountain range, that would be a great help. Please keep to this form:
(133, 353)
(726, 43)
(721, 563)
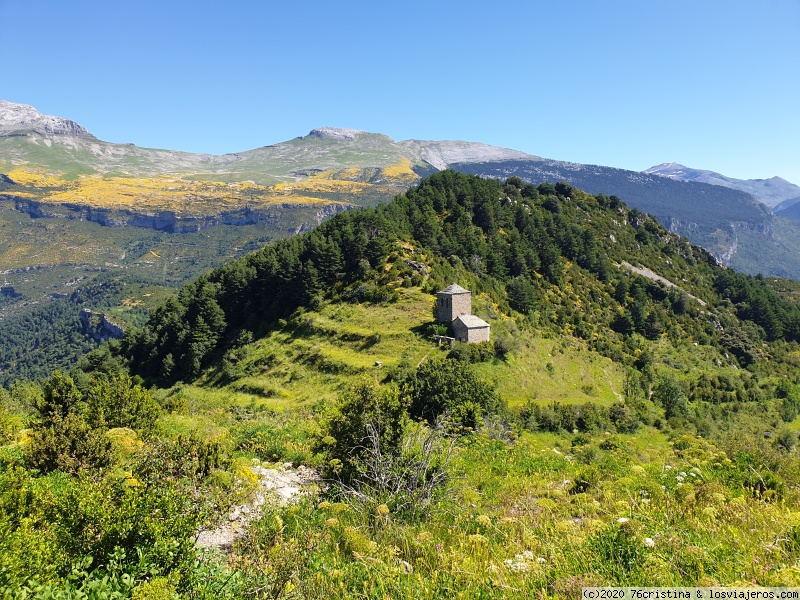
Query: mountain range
(331, 169)
(114, 227)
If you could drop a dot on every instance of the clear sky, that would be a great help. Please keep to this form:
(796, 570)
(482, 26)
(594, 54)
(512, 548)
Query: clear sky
(711, 84)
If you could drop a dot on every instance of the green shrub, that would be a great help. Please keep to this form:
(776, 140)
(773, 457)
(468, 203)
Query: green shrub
(367, 415)
(69, 444)
(439, 386)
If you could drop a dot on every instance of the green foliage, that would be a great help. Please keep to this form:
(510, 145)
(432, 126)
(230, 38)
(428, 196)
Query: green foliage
(128, 529)
(449, 389)
(789, 395)
(119, 402)
(500, 239)
(368, 419)
(406, 482)
(584, 418)
(669, 394)
(473, 353)
(69, 444)
(63, 439)
(421, 512)
(70, 433)
(9, 425)
(522, 294)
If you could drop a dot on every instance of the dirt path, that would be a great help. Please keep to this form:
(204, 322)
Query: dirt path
(276, 486)
(645, 272)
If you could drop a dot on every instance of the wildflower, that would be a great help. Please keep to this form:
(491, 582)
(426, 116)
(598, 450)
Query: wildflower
(332, 522)
(541, 560)
(477, 539)
(484, 521)
(623, 520)
(649, 542)
(382, 510)
(438, 547)
(324, 505)
(424, 537)
(515, 566)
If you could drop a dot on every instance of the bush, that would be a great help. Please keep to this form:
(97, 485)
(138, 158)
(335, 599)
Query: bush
(671, 397)
(473, 353)
(441, 387)
(366, 415)
(407, 482)
(623, 418)
(68, 444)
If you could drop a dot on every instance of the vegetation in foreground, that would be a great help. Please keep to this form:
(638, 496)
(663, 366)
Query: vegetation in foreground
(616, 432)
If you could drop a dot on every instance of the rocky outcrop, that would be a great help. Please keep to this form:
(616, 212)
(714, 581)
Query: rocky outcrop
(172, 222)
(98, 327)
(23, 118)
(443, 155)
(276, 487)
(335, 133)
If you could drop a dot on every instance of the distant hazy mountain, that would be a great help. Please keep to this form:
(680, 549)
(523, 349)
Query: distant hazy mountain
(772, 192)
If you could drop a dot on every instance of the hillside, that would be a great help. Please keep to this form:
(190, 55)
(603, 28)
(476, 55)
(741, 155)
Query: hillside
(636, 400)
(738, 230)
(518, 243)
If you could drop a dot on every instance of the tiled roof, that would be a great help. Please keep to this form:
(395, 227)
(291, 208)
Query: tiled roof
(472, 322)
(454, 288)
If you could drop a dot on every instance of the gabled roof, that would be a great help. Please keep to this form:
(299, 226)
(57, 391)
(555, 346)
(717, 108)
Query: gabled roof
(471, 321)
(454, 288)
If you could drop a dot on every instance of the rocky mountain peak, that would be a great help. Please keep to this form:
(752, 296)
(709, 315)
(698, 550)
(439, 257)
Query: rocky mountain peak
(335, 133)
(21, 117)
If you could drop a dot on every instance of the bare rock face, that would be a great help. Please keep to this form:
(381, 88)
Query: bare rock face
(335, 133)
(97, 326)
(21, 117)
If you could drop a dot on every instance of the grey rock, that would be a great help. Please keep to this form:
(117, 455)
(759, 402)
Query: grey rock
(23, 118)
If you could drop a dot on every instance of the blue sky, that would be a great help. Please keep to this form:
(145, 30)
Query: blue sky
(712, 84)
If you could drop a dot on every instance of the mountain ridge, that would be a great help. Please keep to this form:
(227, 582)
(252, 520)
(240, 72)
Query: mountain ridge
(772, 191)
(266, 165)
(21, 117)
